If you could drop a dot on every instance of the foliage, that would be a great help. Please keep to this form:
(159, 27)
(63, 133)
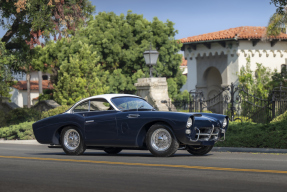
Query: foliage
(256, 82)
(280, 4)
(20, 115)
(22, 131)
(79, 77)
(278, 78)
(278, 20)
(47, 95)
(282, 117)
(119, 42)
(248, 134)
(118, 82)
(184, 95)
(5, 73)
(56, 111)
(27, 21)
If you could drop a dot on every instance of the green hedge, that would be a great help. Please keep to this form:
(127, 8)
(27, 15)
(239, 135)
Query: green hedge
(247, 134)
(22, 131)
(18, 115)
(55, 111)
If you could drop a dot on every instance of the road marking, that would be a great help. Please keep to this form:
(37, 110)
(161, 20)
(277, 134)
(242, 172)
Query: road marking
(148, 165)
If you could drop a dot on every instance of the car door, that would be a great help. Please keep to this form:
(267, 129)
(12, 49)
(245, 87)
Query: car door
(100, 123)
(129, 124)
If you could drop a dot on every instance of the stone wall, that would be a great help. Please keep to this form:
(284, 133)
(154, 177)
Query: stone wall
(45, 105)
(154, 90)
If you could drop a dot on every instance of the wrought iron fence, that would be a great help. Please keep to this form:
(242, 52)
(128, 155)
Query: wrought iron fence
(236, 102)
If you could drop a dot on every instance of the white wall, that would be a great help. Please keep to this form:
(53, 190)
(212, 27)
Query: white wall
(34, 94)
(16, 97)
(272, 57)
(236, 52)
(20, 96)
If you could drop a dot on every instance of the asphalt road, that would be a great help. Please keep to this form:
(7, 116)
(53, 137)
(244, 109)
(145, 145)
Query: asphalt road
(38, 168)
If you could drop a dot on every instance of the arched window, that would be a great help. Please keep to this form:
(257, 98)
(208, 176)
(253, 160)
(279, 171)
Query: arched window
(45, 77)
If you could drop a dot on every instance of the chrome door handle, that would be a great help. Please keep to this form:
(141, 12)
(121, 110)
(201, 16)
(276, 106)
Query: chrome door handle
(133, 116)
(90, 121)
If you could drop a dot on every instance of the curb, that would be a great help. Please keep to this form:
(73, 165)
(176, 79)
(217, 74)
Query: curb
(26, 142)
(215, 149)
(248, 150)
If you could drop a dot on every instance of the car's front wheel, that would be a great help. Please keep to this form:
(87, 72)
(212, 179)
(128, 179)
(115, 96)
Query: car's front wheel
(72, 141)
(199, 150)
(160, 141)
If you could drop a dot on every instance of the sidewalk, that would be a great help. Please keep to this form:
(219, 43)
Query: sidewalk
(28, 142)
(215, 149)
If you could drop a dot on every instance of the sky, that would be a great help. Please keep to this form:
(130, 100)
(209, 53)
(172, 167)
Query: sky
(194, 17)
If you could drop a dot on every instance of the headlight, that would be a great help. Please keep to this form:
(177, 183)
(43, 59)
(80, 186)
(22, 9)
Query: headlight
(224, 122)
(189, 123)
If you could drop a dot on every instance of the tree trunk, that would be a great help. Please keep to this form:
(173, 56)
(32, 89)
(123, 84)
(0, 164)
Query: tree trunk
(40, 82)
(28, 77)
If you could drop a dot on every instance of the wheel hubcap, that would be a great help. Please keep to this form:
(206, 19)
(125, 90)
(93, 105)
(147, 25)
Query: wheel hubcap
(71, 139)
(161, 140)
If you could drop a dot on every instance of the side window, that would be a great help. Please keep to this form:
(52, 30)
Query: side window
(100, 105)
(82, 107)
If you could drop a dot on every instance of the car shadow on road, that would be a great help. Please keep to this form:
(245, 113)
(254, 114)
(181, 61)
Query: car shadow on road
(123, 154)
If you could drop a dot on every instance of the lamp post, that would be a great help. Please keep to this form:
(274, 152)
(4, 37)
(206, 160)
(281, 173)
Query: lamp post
(150, 57)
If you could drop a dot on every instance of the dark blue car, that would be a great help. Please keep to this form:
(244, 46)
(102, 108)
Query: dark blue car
(113, 122)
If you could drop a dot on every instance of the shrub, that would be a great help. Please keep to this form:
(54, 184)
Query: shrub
(279, 118)
(55, 111)
(248, 134)
(22, 131)
(19, 115)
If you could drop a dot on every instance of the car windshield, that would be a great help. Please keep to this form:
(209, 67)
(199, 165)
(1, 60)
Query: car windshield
(131, 103)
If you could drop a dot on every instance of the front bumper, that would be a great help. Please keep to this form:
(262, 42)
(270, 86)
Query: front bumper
(208, 135)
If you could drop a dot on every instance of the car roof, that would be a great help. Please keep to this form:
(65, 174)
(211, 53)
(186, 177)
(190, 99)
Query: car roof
(108, 97)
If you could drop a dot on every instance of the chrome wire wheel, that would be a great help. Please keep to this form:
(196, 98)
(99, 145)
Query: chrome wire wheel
(72, 139)
(161, 139)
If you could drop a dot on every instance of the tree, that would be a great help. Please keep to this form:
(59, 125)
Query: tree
(256, 82)
(27, 22)
(6, 80)
(280, 4)
(278, 20)
(120, 42)
(79, 77)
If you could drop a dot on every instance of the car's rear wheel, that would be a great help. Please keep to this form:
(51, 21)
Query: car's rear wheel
(112, 150)
(160, 141)
(72, 141)
(199, 150)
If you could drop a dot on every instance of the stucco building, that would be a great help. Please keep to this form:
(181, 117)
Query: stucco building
(19, 91)
(213, 59)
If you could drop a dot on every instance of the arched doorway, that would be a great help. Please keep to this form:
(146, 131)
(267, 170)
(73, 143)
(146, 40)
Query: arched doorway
(213, 82)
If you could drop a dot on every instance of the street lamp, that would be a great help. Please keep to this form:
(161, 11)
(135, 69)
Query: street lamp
(150, 57)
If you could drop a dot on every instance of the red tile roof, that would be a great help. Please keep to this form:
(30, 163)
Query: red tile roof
(36, 98)
(234, 33)
(34, 85)
(184, 62)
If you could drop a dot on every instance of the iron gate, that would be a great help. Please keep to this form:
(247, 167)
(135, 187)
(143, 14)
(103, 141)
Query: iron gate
(236, 102)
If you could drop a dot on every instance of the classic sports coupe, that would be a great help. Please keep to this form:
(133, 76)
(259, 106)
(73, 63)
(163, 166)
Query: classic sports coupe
(113, 122)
